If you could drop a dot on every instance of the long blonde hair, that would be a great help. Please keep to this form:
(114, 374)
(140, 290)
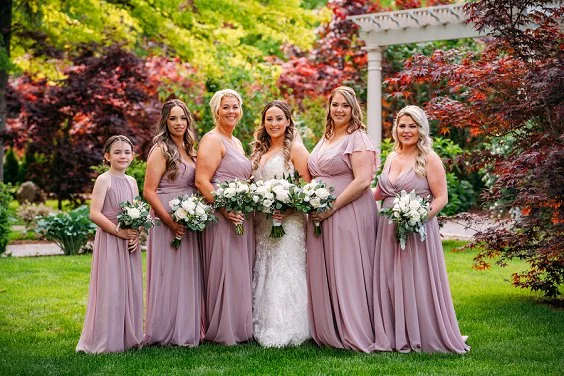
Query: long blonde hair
(262, 141)
(163, 139)
(356, 113)
(424, 143)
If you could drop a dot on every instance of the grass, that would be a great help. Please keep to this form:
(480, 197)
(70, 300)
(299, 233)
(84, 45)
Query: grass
(43, 301)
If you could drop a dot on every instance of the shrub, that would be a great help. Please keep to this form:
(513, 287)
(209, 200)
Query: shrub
(5, 199)
(70, 230)
(28, 213)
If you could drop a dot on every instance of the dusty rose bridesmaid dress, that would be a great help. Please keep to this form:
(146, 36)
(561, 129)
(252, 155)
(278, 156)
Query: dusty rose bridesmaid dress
(227, 261)
(114, 316)
(174, 276)
(411, 286)
(340, 261)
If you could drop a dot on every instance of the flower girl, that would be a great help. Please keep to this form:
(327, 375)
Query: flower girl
(114, 316)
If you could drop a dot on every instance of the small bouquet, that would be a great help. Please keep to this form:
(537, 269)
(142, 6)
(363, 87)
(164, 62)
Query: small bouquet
(274, 194)
(192, 212)
(408, 213)
(313, 196)
(135, 214)
(235, 196)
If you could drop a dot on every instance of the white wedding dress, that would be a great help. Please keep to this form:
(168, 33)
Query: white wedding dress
(280, 316)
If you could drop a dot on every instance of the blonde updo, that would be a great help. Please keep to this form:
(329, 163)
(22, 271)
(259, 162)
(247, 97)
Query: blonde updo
(215, 102)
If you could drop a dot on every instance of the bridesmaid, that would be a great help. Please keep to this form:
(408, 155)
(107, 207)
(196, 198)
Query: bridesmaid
(174, 279)
(339, 262)
(227, 258)
(412, 285)
(114, 316)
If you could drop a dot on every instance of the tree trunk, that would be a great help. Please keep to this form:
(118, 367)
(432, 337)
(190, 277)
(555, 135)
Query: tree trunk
(6, 31)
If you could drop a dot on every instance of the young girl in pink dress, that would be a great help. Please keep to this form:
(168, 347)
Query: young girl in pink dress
(114, 316)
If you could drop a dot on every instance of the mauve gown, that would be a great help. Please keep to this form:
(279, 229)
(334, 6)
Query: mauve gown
(174, 276)
(412, 285)
(227, 261)
(114, 315)
(340, 261)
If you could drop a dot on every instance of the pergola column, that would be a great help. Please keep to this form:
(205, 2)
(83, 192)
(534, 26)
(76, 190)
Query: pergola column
(374, 98)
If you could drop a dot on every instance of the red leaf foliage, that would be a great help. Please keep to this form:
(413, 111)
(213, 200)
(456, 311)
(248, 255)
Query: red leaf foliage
(513, 89)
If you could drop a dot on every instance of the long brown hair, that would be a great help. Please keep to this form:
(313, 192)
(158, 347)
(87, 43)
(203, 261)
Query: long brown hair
(168, 147)
(356, 113)
(262, 141)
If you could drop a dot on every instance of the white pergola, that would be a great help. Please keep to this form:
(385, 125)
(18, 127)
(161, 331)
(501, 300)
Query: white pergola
(405, 26)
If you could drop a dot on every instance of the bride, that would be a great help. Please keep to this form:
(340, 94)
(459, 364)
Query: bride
(280, 315)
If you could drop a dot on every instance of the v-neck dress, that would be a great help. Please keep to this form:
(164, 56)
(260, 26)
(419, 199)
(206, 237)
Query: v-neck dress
(340, 261)
(411, 286)
(227, 261)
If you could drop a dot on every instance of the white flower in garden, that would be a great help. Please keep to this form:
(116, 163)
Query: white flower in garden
(322, 193)
(134, 213)
(315, 202)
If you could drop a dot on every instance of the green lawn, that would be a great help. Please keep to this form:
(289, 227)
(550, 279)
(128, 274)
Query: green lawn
(43, 300)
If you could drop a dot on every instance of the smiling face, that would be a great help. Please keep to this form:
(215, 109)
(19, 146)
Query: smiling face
(229, 112)
(177, 122)
(407, 131)
(340, 110)
(119, 156)
(275, 122)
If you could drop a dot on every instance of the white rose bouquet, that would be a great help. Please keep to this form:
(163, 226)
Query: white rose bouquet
(192, 212)
(313, 196)
(408, 213)
(271, 195)
(235, 196)
(135, 214)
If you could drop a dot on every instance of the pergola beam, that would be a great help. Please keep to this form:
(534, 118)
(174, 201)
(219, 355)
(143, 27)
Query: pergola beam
(405, 26)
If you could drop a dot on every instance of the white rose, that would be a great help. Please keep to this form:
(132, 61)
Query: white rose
(219, 192)
(174, 202)
(243, 188)
(414, 205)
(412, 222)
(203, 216)
(269, 195)
(188, 205)
(306, 199)
(134, 213)
(230, 192)
(255, 198)
(267, 203)
(405, 199)
(315, 202)
(200, 210)
(232, 185)
(322, 193)
(180, 213)
(396, 214)
(261, 190)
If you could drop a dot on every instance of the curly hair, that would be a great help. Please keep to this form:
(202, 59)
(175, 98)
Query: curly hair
(424, 143)
(262, 141)
(112, 140)
(356, 113)
(163, 139)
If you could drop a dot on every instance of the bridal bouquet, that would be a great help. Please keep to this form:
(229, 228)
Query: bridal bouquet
(135, 214)
(313, 196)
(408, 213)
(271, 195)
(192, 212)
(235, 196)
